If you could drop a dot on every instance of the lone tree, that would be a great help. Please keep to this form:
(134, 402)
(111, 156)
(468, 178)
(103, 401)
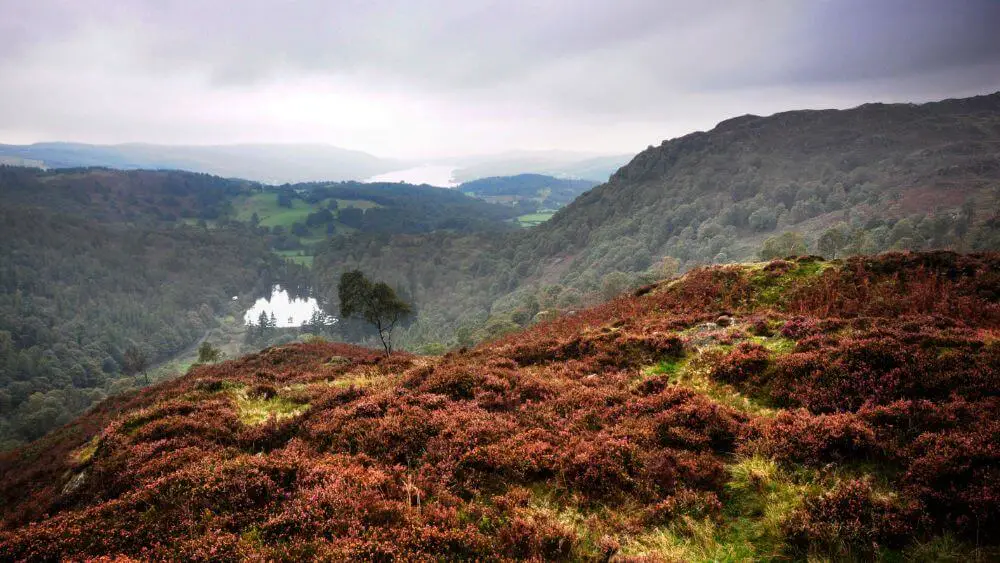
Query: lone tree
(135, 362)
(208, 354)
(790, 243)
(376, 303)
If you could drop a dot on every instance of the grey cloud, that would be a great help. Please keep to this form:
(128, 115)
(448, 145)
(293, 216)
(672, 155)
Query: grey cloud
(860, 40)
(626, 67)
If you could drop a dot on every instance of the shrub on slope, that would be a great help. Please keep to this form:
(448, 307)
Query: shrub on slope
(665, 426)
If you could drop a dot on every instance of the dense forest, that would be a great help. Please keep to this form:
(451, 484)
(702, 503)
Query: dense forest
(527, 192)
(834, 182)
(399, 208)
(97, 264)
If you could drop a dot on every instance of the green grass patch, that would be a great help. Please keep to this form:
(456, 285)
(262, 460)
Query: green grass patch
(771, 289)
(265, 205)
(258, 410)
(86, 452)
(943, 549)
(363, 204)
(760, 496)
(365, 377)
(694, 372)
(666, 367)
(295, 256)
(777, 345)
(534, 219)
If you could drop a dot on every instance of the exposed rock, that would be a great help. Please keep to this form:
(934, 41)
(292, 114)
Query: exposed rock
(74, 483)
(543, 316)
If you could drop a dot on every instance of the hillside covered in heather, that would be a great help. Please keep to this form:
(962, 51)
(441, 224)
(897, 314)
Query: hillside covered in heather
(793, 409)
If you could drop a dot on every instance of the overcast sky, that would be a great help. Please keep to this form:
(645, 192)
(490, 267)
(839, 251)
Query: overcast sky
(421, 78)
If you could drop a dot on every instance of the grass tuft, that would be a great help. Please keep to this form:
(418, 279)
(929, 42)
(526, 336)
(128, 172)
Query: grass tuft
(694, 372)
(87, 451)
(258, 410)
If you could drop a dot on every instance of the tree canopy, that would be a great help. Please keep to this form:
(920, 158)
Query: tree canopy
(375, 302)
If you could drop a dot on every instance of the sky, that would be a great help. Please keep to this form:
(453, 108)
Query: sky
(435, 78)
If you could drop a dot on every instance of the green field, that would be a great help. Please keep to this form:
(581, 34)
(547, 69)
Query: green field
(535, 219)
(192, 222)
(295, 256)
(362, 204)
(271, 214)
(265, 205)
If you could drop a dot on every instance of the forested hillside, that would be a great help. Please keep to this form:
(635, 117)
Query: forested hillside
(836, 182)
(96, 262)
(91, 271)
(793, 410)
(527, 191)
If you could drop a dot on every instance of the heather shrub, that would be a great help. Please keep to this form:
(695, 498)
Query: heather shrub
(699, 424)
(457, 383)
(671, 469)
(209, 385)
(799, 327)
(601, 466)
(532, 535)
(956, 475)
(685, 502)
(743, 362)
(851, 522)
(759, 326)
(800, 437)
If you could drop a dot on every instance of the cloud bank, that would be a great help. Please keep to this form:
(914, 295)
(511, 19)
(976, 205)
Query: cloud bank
(447, 77)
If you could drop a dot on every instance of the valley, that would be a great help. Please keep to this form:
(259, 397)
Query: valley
(603, 282)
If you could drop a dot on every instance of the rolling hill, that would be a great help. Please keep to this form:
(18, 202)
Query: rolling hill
(545, 191)
(560, 164)
(795, 409)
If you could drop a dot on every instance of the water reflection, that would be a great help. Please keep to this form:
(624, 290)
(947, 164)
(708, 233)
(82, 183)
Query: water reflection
(287, 310)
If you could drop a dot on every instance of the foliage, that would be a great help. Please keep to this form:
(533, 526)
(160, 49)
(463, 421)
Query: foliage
(587, 437)
(527, 191)
(208, 354)
(789, 243)
(96, 280)
(376, 303)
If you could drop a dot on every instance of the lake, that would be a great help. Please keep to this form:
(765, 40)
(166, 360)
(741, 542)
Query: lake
(440, 175)
(288, 311)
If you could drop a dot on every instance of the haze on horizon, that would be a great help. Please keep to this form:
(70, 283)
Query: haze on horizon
(453, 77)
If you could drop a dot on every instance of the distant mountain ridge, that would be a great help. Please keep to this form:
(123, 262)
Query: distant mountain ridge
(269, 163)
(274, 163)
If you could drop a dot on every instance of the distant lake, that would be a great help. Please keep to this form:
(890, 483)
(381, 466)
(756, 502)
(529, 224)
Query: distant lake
(440, 175)
(288, 311)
